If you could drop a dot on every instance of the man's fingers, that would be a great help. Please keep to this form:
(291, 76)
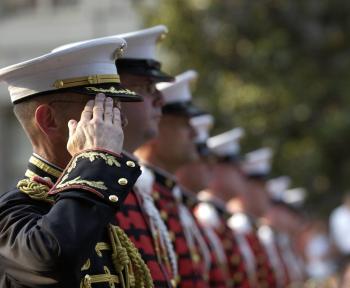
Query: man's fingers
(116, 116)
(98, 109)
(124, 120)
(86, 115)
(108, 113)
(72, 126)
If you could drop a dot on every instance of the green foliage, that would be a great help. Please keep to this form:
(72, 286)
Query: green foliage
(278, 68)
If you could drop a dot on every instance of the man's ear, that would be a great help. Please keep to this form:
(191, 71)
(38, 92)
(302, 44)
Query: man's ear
(45, 119)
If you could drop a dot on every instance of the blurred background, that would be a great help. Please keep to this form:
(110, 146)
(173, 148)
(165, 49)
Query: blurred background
(277, 68)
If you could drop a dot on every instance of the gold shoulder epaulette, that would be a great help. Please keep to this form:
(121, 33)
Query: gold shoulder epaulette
(35, 190)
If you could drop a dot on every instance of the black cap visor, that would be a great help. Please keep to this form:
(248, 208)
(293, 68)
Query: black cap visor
(257, 176)
(113, 90)
(203, 149)
(143, 67)
(232, 158)
(183, 109)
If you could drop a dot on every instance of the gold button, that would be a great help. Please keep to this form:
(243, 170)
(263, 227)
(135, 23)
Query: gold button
(169, 183)
(172, 236)
(123, 181)
(196, 258)
(113, 198)
(235, 259)
(155, 195)
(237, 276)
(164, 215)
(130, 163)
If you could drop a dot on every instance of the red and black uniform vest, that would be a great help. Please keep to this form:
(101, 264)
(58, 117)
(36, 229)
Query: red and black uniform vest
(265, 275)
(191, 268)
(218, 273)
(132, 219)
(236, 265)
(234, 274)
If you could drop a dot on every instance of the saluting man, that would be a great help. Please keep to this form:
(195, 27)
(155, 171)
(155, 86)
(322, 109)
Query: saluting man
(53, 223)
(140, 219)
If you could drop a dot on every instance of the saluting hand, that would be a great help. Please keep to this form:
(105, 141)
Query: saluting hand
(100, 126)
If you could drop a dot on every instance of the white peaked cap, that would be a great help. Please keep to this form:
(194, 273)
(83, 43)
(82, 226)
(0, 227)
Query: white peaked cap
(140, 57)
(142, 43)
(88, 63)
(180, 89)
(202, 125)
(295, 196)
(258, 162)
(277, 186)
(226, 144)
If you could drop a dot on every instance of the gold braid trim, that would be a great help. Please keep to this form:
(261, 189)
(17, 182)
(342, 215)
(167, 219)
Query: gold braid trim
(78, 181)
(101, 246)
(86, 265)
(35, 190)
(45, 167)
(92, 156)
(100, 278)
(111, 90)
(124, 254)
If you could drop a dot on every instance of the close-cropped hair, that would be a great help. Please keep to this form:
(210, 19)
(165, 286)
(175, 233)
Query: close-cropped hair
(25, 110)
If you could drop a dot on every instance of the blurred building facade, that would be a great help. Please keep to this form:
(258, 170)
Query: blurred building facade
(29, 28)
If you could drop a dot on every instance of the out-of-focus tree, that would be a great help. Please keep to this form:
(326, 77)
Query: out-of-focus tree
(278, 68)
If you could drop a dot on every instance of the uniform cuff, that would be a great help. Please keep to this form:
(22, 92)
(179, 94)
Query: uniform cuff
(107, 175)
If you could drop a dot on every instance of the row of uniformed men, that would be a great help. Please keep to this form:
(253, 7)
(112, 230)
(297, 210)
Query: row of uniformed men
(193, 212)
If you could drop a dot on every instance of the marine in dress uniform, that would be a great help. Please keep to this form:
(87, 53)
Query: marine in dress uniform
(285, 215)
(268, 234)
(256, 166)
(213, 207)
(167, 194)
(57, 226)
(140, 218)
(194, 176)
(139, 71)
